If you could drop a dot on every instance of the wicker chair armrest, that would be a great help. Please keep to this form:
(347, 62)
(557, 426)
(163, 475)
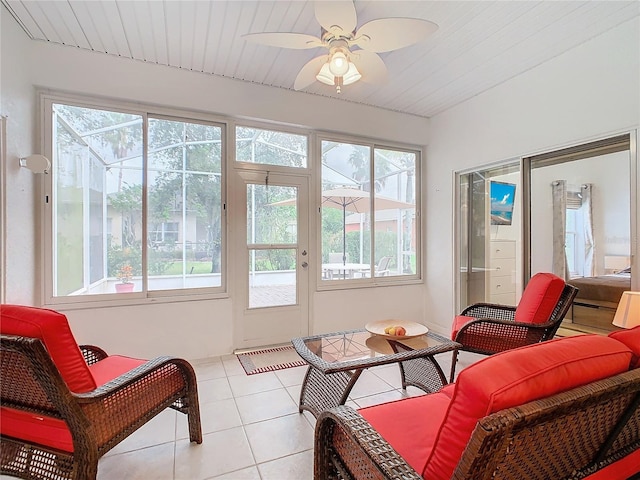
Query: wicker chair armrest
(490, 310)
(367, 450)
(139, 374)
(478, 322)
(489, 335)
(92, 354)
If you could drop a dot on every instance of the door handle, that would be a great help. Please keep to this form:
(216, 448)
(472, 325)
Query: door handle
(305, 264)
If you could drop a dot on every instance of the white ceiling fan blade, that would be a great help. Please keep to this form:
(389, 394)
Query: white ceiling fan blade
(386, 34)
(332, 14)
(308, 73)
(284, 39)
(370, 66)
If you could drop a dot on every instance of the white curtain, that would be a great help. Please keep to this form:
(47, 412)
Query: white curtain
(560, 266)
(587, 219)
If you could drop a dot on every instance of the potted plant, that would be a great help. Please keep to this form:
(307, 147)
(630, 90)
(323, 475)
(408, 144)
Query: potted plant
(124, 275)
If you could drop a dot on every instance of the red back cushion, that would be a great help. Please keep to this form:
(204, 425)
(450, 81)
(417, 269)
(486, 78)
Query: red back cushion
(410, 425)
(514, 377)
(631, 338)
(539, 298)
(458, 322)
(53, 330)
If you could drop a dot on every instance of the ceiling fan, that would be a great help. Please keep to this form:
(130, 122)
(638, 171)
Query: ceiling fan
(344, 64)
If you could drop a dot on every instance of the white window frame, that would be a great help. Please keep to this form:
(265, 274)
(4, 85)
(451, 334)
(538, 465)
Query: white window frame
(46, 101)
(314, 166)
(371, 281)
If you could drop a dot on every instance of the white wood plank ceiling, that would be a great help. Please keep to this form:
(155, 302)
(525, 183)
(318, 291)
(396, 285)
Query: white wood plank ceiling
(479, 44)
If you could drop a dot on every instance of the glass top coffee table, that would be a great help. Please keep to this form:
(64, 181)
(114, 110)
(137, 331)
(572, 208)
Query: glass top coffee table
(336, 360)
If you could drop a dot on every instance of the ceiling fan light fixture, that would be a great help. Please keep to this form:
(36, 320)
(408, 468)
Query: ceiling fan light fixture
(352, 75)
(325, 76)
(339, 34)
(339, 64)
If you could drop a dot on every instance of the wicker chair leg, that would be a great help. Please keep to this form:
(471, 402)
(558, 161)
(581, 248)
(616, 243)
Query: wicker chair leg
(86, 463)
(193, 416)
(193, 409)
(454, 361)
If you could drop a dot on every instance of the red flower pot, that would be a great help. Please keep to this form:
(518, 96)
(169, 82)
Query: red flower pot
(124, 287)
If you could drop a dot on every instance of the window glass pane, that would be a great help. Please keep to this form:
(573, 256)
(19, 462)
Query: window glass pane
(395, 209)
(271, 214)
(272, 277)
(270, 147)
(346, 207)
(184, 208)
(97, 185)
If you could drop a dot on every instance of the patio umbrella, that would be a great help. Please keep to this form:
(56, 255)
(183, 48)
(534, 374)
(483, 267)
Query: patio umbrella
(352, 200)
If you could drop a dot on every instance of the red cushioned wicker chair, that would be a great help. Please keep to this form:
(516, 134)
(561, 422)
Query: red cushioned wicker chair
(489, 328)
(64, 406)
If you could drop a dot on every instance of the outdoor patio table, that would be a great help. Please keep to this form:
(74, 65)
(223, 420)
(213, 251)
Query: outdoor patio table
(344, 270)
(336, 361)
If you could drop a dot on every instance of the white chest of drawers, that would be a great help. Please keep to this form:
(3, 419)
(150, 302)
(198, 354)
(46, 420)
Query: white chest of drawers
(501, 274)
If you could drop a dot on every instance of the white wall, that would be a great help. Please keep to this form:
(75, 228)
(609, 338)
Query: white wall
(17, 103)
(587, 93)
(188, 329)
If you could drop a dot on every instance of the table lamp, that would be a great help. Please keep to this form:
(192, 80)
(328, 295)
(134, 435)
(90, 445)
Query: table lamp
(628, 312)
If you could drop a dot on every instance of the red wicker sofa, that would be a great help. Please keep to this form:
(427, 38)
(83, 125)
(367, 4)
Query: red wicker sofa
(65, 406)
(562, 409)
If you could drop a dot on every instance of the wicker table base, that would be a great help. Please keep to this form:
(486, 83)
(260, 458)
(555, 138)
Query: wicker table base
(336, 361)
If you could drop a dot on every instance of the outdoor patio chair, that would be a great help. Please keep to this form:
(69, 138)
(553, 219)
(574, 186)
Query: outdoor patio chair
(64, 406)
(488, 328)
(381, 269)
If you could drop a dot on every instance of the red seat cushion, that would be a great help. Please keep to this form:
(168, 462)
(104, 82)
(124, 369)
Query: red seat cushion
(623, 469)
(539, 298)
(35, 428)
(458, 322)
(410, 425)
(515, 377)
(111, 367)
(53, 432)
(53, 330)
(631, 338)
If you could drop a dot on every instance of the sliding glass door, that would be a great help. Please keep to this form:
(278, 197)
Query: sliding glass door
(581, 225)
(489, 226)
(572, 212)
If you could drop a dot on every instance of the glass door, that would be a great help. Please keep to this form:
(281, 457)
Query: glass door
(582, 226)
(489, 226)
(273, 259)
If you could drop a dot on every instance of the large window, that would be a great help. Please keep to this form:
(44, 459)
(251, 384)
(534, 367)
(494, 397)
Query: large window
(133, 210)
(368, 212)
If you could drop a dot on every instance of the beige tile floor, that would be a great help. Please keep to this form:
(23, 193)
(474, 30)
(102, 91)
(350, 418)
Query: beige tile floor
(251, 426)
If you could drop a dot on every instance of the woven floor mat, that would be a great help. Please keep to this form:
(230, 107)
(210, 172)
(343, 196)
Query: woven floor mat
(270, 359)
